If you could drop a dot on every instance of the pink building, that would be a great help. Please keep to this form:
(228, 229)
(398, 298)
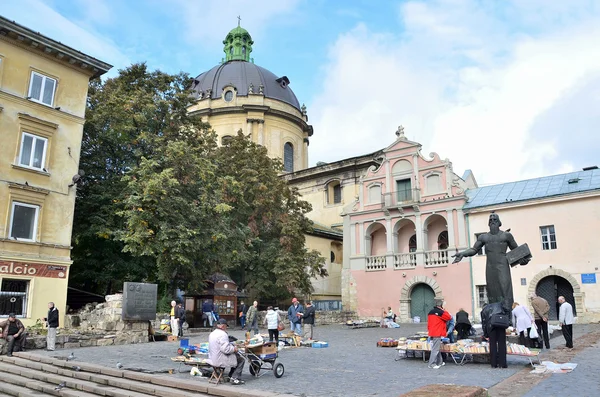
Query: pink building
(402, 229)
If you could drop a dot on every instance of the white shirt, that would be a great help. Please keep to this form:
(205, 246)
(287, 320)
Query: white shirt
(565, 314)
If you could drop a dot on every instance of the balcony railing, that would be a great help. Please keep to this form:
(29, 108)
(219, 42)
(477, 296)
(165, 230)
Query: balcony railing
(401, 198)
(405, 261)
(374, 263)
(437, 258)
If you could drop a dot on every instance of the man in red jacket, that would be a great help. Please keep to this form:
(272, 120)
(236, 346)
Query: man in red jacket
(436, 327)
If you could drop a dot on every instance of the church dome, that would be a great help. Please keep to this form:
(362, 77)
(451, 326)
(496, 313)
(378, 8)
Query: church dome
(239, 72)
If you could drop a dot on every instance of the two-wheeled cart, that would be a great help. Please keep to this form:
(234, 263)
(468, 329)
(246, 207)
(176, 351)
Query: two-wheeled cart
(262, 358)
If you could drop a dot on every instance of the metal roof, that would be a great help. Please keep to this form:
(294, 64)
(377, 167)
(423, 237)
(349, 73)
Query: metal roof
(532, 189)
(241, 74)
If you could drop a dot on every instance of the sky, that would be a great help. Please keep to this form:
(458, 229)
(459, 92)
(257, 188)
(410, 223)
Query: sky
(509, 89)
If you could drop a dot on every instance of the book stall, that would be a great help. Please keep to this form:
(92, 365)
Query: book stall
(355, 324)
(461, 352)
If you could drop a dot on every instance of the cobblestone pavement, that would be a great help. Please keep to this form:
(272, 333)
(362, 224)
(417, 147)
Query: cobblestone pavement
(352, 365)
(582, 382)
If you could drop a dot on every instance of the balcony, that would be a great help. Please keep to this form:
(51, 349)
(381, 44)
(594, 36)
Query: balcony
(405, 261)
(375, 263)
(437, 258)
(402, 198)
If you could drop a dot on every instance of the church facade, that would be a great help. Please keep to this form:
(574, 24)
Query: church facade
(388, 222)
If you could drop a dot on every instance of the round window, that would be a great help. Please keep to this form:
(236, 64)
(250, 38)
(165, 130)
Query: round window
(228, 96)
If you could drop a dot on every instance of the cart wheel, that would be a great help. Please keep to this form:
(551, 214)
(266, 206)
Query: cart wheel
(278, 370)
(254, 368)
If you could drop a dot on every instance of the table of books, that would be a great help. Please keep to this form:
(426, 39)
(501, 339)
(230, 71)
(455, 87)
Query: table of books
(462, 351)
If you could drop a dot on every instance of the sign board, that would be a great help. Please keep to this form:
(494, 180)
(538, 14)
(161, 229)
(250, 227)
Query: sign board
(139, 301)
(588, 278)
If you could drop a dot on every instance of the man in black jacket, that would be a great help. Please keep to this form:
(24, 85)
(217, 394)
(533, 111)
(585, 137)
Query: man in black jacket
(463, 325)
(496, 335)
(52, 323)
(308, 318)
(180, 316)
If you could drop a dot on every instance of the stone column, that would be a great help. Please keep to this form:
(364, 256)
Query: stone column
(450, 223)
(249, 131)
(261, 139)
(420, 240)
(361, 231)
(462, 231)
(388, 177)
(416, 171)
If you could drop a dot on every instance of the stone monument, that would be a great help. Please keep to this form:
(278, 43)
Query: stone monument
(139, 301)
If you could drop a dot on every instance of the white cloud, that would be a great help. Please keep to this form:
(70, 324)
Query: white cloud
(465, 80)
(52, 24)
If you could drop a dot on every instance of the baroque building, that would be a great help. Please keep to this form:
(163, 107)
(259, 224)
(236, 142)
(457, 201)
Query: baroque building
(43, 90)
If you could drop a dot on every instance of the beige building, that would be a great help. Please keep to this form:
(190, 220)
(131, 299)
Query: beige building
(557, 216)
(43, 89)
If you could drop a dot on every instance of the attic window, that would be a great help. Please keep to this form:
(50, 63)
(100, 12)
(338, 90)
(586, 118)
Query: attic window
(283, 81)
(574, 180)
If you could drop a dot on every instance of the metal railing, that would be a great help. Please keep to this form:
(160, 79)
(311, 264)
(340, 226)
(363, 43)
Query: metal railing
(400, 198)
(404, 261)
(374, 263)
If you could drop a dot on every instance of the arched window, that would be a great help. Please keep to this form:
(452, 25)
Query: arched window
(412, 243)
(288, 157)
(333, 192)
(226, 140)
(443, 241)
(244, 50)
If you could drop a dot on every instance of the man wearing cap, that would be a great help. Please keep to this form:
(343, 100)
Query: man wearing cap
(14, 332)
(295, 313)
(436, 327)
(223, 353)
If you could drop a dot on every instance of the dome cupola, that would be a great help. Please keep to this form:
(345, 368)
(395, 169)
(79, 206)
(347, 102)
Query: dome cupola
(238, 44)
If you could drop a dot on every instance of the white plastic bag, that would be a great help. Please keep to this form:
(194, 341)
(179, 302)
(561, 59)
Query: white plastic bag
(533, 334)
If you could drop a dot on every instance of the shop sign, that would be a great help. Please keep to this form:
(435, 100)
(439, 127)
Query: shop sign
(32, 269)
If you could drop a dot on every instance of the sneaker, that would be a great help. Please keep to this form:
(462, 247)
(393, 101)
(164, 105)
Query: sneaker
(443, 363)
(434, 366)
(236, 381)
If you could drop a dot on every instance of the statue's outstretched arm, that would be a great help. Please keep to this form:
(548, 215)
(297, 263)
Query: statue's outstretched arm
(469, 252)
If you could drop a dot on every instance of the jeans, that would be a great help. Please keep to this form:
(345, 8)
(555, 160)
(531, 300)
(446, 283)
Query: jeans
(436, 357)
(243, 321)
(207, 316)
(296, 328)
(254, 325)
(51, 339)
(12, 341)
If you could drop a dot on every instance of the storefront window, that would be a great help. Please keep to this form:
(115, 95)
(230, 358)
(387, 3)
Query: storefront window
(13, 297)
(224, 305)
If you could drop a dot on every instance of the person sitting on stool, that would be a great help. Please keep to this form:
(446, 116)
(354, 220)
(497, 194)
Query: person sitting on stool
(14, 333)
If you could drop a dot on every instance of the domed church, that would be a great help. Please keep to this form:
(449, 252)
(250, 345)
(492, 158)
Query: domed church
(237, 94)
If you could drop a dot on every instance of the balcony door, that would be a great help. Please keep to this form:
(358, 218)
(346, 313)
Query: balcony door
(403, 190)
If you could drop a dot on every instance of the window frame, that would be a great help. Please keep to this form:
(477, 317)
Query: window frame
(35, 223)
(42, 89)
(545, 231)
(292, 154)
(35, 138)
(24, 294)
(330, 188)
(485, 300)
(408, 191)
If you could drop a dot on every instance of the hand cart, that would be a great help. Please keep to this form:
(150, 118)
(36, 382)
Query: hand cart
(263, 357)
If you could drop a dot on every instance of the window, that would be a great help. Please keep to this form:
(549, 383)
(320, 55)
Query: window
(23, 224)
(13, 297)
(226, 140)
(333, 193)
(375, 194)
(228, 96)
(482, 250)
(42, 88)
(403, 191)
(412, 243)
(443, 241)
(33, 151)
(224, 305)
(482, 298)
(548, 237)
(288, 157)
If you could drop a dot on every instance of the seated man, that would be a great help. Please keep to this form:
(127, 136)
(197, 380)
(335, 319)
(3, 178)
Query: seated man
(223, 353)
(14, 332)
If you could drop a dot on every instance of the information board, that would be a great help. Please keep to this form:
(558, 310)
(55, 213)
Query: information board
(588, 278)
(139, 301)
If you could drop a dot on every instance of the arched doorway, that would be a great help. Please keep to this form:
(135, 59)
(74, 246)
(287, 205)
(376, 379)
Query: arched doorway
(421, 301)
(550, 288)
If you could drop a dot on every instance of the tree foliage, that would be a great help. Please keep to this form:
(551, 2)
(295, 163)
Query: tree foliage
(161, 202)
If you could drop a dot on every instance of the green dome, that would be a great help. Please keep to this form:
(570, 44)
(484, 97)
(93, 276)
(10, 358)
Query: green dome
(238, 45)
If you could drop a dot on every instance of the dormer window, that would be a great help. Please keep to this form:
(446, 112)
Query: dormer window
(283, 81)
(228, 96)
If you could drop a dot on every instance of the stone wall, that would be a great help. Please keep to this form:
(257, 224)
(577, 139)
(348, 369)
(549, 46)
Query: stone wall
(321, 317)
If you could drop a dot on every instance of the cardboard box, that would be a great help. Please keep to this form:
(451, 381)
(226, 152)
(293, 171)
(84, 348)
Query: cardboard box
(172, 338)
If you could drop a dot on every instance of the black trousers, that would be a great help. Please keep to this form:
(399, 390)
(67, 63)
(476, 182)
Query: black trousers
(524, 337)
(543, 331)
(498, 347)
(463, 330)
(19, 342)
(567, 331)
(274, 333)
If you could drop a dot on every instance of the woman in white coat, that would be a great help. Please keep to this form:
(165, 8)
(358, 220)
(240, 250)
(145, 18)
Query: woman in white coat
(522, 321)
(272, 320)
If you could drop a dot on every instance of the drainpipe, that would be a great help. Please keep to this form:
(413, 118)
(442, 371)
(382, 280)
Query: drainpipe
(470, 266)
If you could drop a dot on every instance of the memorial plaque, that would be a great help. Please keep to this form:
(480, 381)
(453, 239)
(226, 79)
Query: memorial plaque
(139, 301)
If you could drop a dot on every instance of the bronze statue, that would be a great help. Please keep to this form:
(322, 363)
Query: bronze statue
(497, 270)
